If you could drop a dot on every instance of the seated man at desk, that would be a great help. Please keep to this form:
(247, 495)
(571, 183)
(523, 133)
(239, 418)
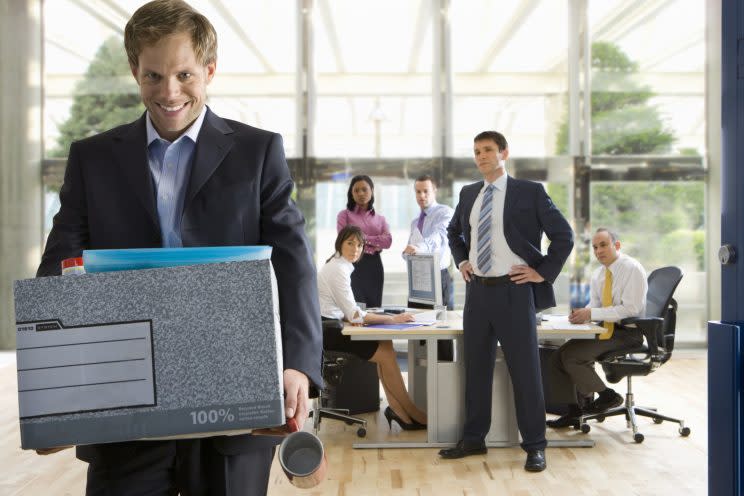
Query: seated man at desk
(618, 291)
(337, 302)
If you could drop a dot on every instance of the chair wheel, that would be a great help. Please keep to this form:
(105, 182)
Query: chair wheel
(684, 431)
(361, 432)
(638, 437)
(658, 421)
(585, 428)
(601, 418)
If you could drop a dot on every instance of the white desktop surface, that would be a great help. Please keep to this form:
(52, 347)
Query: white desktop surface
(444, 395)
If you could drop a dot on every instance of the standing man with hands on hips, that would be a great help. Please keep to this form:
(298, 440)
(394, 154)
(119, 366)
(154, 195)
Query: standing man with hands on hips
(182, 176)
(495, 237)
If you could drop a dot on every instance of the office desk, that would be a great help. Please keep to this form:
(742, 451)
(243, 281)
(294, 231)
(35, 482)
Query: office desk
(443, 397)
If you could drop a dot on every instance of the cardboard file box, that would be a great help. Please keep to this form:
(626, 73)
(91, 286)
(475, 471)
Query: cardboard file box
(118, 356)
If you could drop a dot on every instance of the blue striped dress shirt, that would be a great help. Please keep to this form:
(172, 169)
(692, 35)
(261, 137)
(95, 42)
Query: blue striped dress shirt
(170, 165)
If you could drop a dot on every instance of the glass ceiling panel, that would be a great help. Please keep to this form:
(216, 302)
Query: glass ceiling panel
(537, 43)
(477, 23)
(253, 37)
(359, 29)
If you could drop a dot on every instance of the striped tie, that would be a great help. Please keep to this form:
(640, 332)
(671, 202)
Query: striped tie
(484, 231)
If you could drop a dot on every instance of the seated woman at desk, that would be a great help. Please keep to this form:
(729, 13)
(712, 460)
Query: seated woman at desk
(337, 302)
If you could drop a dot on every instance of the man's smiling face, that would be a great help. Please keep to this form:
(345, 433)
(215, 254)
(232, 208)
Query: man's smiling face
(173, 84)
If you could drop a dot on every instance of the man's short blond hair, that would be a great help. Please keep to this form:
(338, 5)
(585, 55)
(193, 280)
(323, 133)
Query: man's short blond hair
(160, 18)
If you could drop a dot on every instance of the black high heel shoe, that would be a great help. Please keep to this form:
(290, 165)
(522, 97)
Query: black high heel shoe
(390, 415)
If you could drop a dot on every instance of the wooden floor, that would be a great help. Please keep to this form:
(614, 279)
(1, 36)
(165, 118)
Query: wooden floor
(665, 464)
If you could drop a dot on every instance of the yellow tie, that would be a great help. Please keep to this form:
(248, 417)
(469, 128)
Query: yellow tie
(607, 302)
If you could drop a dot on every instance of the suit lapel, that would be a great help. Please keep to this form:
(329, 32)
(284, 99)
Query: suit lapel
(212, 146)
(473, 194)
(512, 193)
(130, 152)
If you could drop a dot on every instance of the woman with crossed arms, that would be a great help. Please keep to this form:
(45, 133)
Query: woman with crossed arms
(369, 276)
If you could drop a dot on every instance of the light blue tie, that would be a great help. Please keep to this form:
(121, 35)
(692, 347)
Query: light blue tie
(484, 231)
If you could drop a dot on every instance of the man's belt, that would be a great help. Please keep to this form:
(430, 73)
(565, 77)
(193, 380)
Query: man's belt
(491, 281)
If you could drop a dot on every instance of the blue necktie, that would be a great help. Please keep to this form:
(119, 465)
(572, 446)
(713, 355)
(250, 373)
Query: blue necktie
(420, 224)
(484, 231)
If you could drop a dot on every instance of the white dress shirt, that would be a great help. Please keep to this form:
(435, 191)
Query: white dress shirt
(433, 239)
(502, 258)
(334, 291)
(629, 286)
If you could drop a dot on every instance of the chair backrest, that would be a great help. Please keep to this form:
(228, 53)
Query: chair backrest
(662, 283)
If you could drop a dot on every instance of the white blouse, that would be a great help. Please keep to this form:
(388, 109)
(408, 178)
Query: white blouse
(334, 291)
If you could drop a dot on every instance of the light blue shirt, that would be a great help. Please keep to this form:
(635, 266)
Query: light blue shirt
(433, 239)
(170, 165)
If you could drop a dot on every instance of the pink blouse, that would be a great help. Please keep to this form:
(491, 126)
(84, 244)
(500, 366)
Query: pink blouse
(374, 227)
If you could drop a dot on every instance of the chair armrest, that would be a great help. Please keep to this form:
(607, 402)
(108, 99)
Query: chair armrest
(650, 327)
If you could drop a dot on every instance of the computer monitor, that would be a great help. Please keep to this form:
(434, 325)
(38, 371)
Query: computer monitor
(424, 280)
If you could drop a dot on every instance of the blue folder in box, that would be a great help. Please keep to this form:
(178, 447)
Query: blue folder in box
(156, 258)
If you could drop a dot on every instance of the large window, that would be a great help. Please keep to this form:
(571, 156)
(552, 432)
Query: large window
(397, 89)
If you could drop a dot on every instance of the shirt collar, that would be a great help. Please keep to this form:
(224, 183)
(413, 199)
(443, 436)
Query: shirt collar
(361, 211)
(431, 207)
(499, 184)
(343, 261)
(614, 264)
(192, 132)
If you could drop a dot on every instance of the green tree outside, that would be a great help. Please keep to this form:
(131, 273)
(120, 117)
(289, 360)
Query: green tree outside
(106, 97)
(659, 223)
(623, 123)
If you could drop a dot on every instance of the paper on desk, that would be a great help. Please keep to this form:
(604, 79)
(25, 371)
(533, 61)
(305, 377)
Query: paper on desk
(428, 317)
(552, 318)
(407, 325)
(561, 322)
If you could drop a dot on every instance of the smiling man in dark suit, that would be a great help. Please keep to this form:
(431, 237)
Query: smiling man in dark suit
(182, 176)
(495, 239)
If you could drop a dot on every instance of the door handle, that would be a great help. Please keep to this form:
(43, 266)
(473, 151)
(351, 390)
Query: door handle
(727, 254)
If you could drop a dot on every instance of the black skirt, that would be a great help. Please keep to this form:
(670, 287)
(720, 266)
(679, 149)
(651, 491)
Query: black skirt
(333, 340)
(367, 280)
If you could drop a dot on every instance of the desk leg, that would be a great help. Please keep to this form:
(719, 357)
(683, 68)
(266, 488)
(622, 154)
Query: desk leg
(432, 390)
(417, 373)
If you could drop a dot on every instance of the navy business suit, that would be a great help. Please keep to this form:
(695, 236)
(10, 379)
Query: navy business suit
(238, 193)
(506, 312)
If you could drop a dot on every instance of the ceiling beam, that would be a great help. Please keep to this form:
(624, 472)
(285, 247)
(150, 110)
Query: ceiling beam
(327, 16)
(238, 29)
(423, 22)
(100, 17)
(394, 85)
(521, 13)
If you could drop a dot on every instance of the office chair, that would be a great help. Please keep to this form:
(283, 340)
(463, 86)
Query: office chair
(332, 371)
(658, 327)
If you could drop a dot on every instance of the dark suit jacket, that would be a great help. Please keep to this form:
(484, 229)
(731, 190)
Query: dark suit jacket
(528, 212)
(238, 194)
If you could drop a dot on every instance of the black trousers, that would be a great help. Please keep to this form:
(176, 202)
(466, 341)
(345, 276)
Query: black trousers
(503, 313)
(367, 280)
(189, 467)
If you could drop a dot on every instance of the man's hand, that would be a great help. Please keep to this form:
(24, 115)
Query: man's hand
(296, 386)
(466, 269)
(409, 250)
(580, 315)
(49, 451)
(521, 274)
